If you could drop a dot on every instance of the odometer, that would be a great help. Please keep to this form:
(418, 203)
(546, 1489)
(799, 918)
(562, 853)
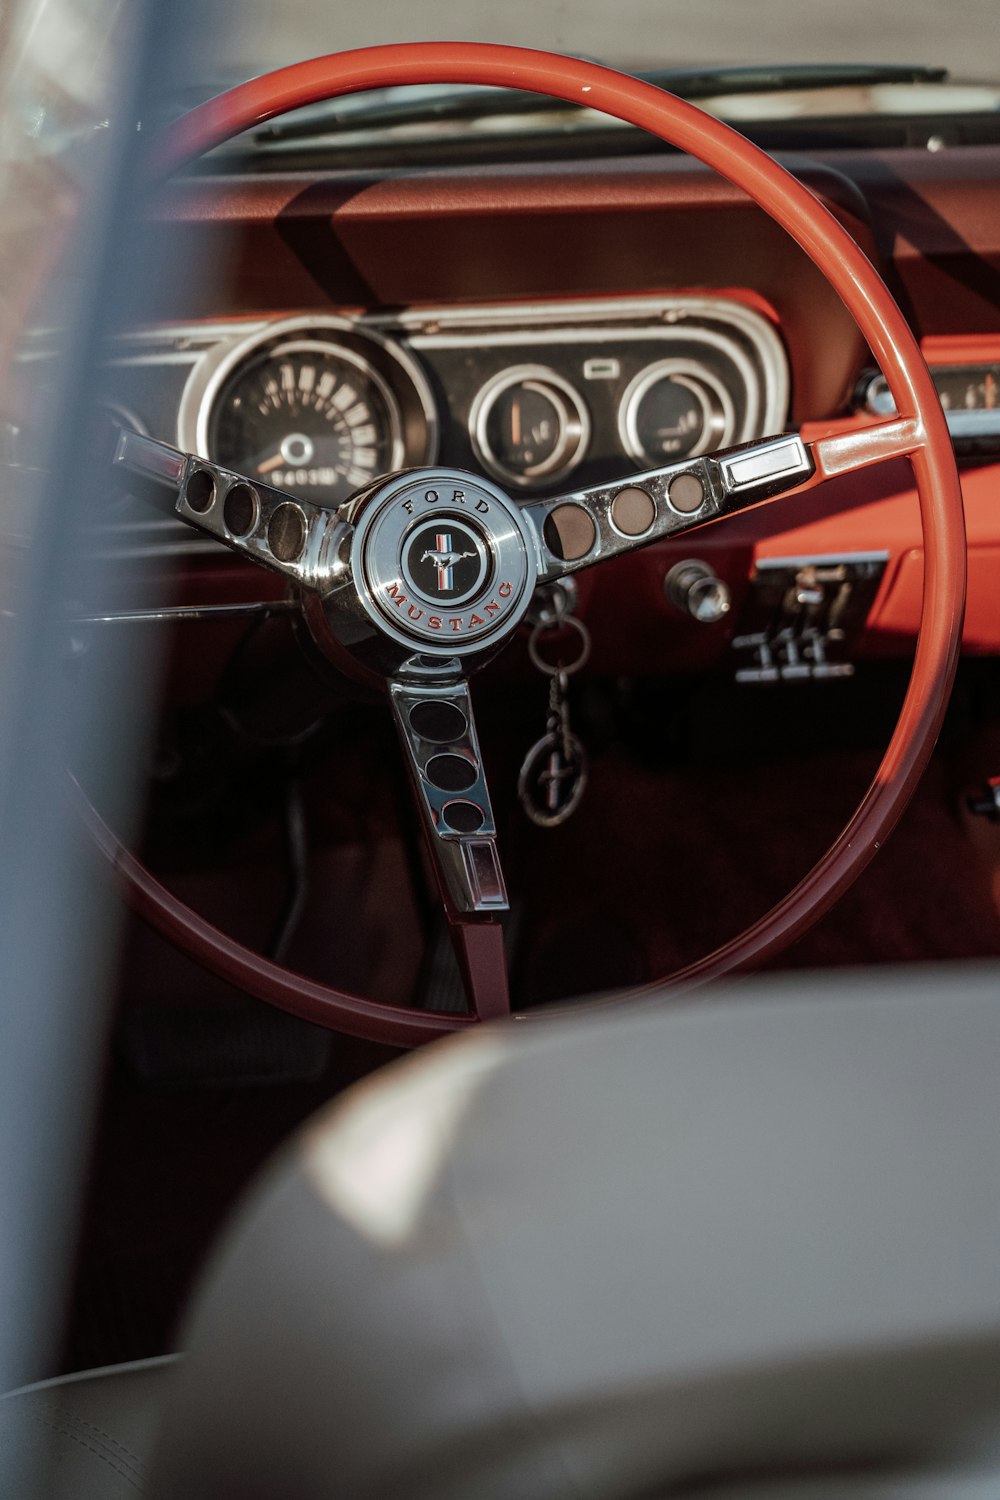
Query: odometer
(307, 416)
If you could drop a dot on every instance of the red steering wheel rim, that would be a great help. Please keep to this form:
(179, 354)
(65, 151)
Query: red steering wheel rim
(851, 274)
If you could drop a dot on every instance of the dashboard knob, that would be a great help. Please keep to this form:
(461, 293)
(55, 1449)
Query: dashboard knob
(697, 590)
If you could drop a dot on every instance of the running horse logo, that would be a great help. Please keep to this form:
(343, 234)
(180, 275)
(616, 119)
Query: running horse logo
(444, 558)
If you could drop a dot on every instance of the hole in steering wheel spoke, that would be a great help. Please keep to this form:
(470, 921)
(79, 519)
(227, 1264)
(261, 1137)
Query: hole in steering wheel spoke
(286, 533)
(463, 817)
(451, 773)
(240, 510)
(440, 723)
(199, 492)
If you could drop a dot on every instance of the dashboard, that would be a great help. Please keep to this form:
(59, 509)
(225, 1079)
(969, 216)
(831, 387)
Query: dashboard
(536, 396)
(561, 325)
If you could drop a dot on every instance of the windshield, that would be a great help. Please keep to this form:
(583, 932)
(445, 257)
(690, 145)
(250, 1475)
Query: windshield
(792, 77)
(634, 34)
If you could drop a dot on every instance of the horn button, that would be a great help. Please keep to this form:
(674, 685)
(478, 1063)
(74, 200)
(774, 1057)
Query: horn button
(443, 561)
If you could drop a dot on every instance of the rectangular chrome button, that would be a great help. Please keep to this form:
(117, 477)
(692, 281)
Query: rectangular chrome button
(786, 458)
(484, 875)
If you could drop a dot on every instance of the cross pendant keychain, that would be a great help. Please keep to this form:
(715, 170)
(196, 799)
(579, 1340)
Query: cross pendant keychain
(554, 773)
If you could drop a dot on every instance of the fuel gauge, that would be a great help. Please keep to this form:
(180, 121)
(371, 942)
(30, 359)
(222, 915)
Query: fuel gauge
(529, 426)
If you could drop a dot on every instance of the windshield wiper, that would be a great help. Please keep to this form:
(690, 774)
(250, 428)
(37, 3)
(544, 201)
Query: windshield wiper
(707, 83)
(430, 104)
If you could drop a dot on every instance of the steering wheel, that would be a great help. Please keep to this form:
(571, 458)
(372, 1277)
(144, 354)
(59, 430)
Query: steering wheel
(422, 578)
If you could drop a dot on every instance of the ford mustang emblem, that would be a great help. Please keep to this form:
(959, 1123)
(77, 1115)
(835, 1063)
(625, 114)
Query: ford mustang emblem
(444, 558)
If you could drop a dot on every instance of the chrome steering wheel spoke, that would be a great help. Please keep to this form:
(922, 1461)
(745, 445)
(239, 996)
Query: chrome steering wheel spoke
(587, 526)
(270, 527)
(437, 727)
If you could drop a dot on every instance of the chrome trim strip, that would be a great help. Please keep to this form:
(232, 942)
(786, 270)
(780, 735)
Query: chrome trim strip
(136, 553)
(819, 560)
(173, 614)
(204, 334)
(170, 357)
(667, 308)
(978, 422)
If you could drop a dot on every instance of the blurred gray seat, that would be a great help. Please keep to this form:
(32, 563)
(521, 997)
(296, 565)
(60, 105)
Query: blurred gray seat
(622, 1255)
(89, 1436)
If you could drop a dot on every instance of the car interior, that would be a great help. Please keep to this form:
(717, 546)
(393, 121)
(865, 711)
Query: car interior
(556, 536)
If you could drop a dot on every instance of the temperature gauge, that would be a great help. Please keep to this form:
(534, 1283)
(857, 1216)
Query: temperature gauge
(529, 426)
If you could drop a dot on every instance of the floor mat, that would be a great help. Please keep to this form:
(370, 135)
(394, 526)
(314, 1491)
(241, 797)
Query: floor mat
(662, 864)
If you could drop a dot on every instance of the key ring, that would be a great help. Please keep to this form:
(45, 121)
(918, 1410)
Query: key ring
(543, 627)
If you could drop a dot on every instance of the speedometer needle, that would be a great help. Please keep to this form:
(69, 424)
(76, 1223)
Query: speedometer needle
(272, 463)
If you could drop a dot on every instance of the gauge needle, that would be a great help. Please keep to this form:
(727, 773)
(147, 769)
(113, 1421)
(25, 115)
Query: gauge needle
(515, 423)
(272, 463)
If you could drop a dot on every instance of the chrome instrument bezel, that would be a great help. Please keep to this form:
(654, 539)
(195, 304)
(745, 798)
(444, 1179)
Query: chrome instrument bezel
(718, 430)
(574, 436)
(211, 413)
(213, 370)
(716, 322)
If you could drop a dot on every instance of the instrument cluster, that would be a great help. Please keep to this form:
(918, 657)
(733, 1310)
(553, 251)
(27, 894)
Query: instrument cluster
(540, 398)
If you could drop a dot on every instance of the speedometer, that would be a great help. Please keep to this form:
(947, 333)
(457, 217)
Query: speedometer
(312, 418)
(319, 407)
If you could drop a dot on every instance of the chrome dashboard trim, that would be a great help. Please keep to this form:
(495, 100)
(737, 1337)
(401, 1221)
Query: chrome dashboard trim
(574, 437)
(210, 350)
(819, 560)
(610, 320)
(213, 368)
(688, 373)
(980, 422)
